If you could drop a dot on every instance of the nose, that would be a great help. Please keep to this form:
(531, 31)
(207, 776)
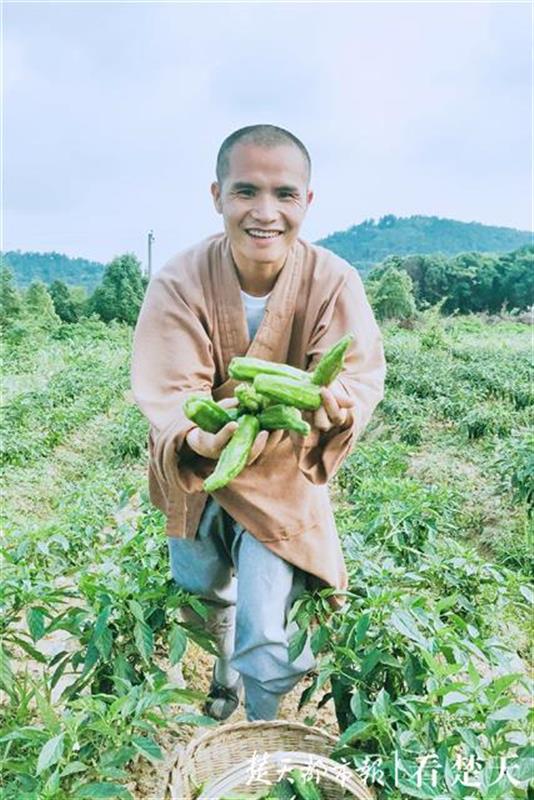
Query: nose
(264, 209)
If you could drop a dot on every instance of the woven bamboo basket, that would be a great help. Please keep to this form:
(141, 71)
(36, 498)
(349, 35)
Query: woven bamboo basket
(245, 756)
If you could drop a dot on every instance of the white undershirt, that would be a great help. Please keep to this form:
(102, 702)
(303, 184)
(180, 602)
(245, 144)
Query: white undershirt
(254, 310)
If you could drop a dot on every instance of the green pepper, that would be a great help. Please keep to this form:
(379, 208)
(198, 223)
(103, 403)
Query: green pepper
(234, 456)
(206, 413)
(289, 392)
(246, 369)
(331, 364)
(248, 397)
(282, 417)
(306, 789)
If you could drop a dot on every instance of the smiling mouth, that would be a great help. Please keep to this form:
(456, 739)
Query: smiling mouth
(257, 233)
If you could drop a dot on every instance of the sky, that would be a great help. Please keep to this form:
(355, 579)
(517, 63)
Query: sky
(113, 114)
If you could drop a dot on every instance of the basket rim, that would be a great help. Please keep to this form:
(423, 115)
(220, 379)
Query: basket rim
(218, 730)
(214, 731)
(344, 778)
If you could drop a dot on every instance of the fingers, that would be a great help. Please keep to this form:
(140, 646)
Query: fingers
(258, 446)
(228, 402)
(223, 436)
(340, 394)
(334, 412)
(210, 445)
(321, 420)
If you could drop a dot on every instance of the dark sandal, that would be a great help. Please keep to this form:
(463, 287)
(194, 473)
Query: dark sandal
(222, 700)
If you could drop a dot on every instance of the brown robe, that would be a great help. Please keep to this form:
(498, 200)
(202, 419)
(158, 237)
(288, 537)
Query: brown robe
(191, 325)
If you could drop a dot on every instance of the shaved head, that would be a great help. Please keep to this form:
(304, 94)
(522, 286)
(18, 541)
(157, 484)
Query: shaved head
(263, 136)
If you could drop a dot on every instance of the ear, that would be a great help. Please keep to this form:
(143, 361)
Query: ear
(309, 197)
(216, 194)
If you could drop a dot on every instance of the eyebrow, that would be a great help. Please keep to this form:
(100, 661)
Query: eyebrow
(244, 185)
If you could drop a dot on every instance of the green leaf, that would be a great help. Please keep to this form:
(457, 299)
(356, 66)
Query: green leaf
(137, 610)
(73, 768)
(51, 753)
(46, 712)
(148, 747)
(144, 639)
(358, 704)
(360, 731)
(369, 662)
(101, 623)
(198, 606)
(194, 719)
(28, 648)
(361, 628)
(319, 639)
(103, 790)
(503, 682)
(380, 707)
(512, 711)
(453, 698)
(177, 643)
(6, 673)
(92, 656)
(404, 623)
(117, 757)
(297, 644)
(104, 642)
(203, 639)
(35, 620)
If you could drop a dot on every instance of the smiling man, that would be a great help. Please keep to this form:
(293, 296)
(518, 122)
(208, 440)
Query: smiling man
(250, 549)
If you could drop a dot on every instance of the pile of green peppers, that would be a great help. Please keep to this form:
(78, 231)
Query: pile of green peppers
(270, 397)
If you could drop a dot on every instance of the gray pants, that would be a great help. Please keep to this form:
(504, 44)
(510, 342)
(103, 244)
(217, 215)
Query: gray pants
(249, 591)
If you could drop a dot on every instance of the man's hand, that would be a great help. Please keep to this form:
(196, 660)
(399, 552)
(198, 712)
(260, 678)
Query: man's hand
(334, 410)
(210, 445)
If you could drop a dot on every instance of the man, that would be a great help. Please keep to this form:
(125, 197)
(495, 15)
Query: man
(253, 547)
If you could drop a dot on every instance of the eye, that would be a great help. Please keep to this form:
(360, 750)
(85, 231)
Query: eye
(245, 192)
(285, 195)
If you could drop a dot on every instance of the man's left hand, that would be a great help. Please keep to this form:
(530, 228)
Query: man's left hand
(334, 410)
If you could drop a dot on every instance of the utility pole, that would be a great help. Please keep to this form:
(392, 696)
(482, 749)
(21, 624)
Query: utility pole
(151, 238)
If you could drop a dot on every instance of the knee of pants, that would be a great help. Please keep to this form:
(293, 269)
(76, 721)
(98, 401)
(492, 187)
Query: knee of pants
(200, 573)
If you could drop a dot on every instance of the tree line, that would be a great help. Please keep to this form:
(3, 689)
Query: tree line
(397, 288)
(466, 283)
(47, 267)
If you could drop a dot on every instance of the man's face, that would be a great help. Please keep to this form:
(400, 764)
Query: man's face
(263, 200)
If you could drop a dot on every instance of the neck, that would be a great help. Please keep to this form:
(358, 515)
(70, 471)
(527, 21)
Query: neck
(257, 279)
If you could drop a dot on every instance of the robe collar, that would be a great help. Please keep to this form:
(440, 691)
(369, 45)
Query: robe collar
(272, 338)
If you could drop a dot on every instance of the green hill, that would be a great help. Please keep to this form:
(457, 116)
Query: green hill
(48, 267)
(371, 242)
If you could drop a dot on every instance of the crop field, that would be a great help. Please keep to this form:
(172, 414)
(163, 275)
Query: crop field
(424, 675)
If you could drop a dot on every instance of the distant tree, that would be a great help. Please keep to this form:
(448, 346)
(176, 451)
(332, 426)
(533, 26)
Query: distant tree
(121, 292)
(81, 301)
(10, 300)
(39, 306)
(516, 272)
(391, 295)
(63, 301)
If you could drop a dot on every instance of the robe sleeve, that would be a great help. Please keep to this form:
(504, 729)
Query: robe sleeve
(321, 454)
(172, 359)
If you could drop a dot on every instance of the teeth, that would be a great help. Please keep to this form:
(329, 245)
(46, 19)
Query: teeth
(264, 234)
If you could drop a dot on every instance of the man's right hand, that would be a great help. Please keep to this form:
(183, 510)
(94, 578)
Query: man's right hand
(210, 445)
